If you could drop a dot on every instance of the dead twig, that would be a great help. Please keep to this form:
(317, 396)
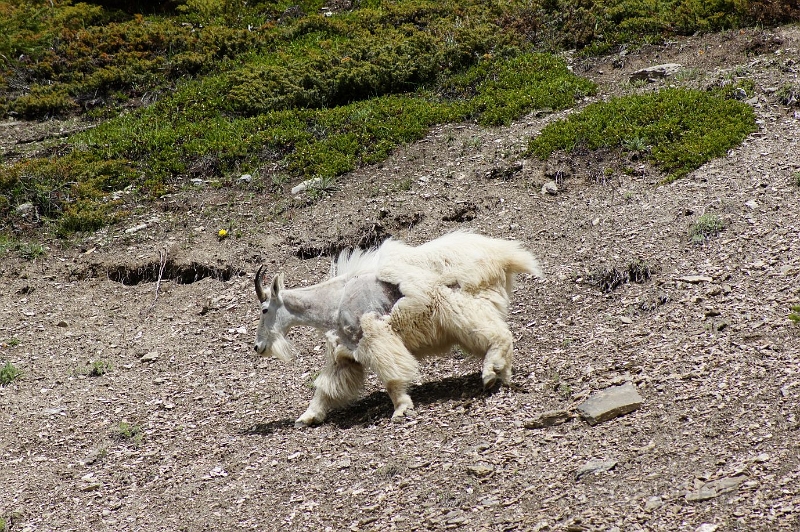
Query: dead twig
(162, 264)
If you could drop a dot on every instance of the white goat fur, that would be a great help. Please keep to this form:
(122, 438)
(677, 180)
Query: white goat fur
(455, 291)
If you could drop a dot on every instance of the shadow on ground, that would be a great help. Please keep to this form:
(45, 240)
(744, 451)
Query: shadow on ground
(377, 406)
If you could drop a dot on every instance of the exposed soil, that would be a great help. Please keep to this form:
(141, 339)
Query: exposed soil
(716, 359)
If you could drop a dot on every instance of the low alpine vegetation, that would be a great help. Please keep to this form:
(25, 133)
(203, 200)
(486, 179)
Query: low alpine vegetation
(677, 142)
(204, 88)
(8, 373)
(128, 432)
(706, 226)
(97, 368)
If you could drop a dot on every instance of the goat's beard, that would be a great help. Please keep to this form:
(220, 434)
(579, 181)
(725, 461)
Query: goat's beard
(282, 349)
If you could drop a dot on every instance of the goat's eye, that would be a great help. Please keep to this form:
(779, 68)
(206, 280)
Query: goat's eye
(264, 311)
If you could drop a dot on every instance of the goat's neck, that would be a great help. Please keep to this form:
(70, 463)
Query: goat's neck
(315, 306)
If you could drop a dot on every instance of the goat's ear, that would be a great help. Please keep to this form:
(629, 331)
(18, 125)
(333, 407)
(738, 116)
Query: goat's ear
(276, 287)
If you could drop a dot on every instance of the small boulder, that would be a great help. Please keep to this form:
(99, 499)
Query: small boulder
(610, 403)
(550, 188)
(152, 356)
(24, 208)
(656, 72)
(305, 185)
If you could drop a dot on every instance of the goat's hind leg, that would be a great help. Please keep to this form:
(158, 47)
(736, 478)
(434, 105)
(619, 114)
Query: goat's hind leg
(339, 383)
(480, 330)
(497, 362)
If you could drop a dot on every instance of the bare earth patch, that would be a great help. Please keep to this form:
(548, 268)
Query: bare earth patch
(188, 430)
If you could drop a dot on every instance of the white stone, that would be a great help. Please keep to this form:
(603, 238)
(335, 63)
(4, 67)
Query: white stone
(305, 185)
(550, 188)
(136, 228)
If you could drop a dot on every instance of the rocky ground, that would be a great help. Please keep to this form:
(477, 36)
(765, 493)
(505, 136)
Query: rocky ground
(141, 405)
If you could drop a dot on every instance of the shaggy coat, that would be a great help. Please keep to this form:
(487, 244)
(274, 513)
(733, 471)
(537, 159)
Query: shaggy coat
(397, 304)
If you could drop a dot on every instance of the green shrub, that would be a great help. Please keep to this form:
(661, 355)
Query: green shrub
(770, 11)
(706, 226)
(127, 432)
(8, 373)
(505, 90)
(794, 314)
(679, 140)
(43, 102)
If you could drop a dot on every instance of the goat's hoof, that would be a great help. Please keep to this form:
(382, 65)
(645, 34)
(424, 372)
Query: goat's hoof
(307, 420)
(403, 411)
(489, 382)
(399, 417)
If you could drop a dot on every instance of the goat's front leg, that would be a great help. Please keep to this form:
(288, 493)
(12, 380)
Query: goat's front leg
(383, 351)
(339, 382)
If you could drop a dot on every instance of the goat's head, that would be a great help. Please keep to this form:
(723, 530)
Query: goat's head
(270, 339)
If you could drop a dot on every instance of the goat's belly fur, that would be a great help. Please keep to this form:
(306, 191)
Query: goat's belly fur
(448, 317)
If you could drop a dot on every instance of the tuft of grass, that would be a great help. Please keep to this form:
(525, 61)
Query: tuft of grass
(564, 390)
(128, 432)
(30, 250)
(97, 368)
(7, 243)
(26, 250)
(794, 314)
(679, 141)
(789, 95)
(9, 373)
(706, 226)
(796, 179)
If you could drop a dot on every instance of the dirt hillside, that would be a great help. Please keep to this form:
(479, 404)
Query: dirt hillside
(186, 429)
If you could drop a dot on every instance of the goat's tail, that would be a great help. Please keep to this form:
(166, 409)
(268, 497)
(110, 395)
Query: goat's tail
(516, 259)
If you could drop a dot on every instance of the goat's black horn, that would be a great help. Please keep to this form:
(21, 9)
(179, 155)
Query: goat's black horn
(259, 290)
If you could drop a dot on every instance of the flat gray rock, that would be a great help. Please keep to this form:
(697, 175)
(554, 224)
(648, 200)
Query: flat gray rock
(695, 279)
(656, 72)
(653, 503)
(152, 356)
(480, 470)
(610, 403)
(595, 466)
(548, 419)
(712, 490)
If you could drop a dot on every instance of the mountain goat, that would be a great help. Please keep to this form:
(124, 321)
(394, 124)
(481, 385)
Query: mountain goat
(384, 309)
